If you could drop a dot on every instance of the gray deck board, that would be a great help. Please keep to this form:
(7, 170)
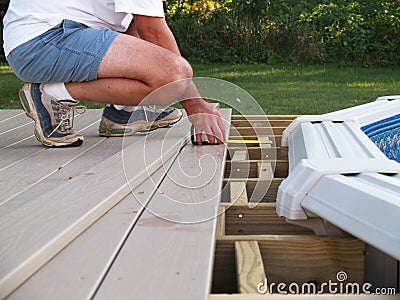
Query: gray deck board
(26, 173)
(8, 114)
(89, 158)
(84, 263)
(170, 257)
(22, 144)
(35, 232)
(16, 126)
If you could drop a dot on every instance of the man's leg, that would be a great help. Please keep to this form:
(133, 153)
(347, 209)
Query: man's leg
(129, 70)
(106, 67)
(153, 71)
(121, 120)
(132, 69)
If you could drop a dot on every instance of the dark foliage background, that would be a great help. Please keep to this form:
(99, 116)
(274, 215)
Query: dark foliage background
(362, 32)
(358, 32)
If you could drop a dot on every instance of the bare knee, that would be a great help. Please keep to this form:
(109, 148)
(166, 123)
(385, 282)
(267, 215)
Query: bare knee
(172, 82)
(186, 70)
(177, 69)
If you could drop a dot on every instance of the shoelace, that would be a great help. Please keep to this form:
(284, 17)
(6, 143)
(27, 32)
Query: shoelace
(66, 116)
(145, 113)
(153, 107)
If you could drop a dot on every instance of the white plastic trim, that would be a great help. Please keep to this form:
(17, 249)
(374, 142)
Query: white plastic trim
(382, 108)
(354, 203)
(370, 112)
(326, 140)
(308, 173)
(337, 173)
(388, 98)
(304, 119)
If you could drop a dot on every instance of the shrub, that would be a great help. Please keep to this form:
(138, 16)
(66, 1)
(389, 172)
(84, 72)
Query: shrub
(363, 32)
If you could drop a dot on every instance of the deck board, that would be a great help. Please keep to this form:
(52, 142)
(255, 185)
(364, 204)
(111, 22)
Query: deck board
(35, 232)
(181, 236)
(99, 152)
(15, 124)
(19, 128)
(22, 144)
(27, 173)
(84, 263)
(12, 119)
(7, 114)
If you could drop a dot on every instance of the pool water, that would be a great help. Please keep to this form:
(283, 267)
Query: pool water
(386, 136)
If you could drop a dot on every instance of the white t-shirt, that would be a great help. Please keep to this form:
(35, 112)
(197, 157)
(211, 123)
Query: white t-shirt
(27, 19)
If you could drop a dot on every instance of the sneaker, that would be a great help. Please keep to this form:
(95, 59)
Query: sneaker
(53, 118)
(136, 120)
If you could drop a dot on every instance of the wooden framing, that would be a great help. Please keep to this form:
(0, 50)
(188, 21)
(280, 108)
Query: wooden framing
(259, 220)
(249, 266)
(297, 258)
(256, 240)
(220, 231)
(238, 193)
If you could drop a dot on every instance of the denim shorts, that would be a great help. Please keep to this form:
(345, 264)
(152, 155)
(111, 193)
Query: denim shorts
(69, 53)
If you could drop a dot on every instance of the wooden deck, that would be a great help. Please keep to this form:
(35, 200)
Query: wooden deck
(112, 218)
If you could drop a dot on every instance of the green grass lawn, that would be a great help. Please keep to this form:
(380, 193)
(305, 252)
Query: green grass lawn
(282, 89)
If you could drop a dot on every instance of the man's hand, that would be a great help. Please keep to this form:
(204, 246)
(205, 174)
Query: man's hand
(205, 118)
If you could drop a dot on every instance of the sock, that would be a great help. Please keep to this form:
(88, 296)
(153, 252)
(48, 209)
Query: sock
(119, 107)
(58, 91)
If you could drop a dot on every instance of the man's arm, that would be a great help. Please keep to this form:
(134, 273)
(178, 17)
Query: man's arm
(201, 114)
(154, 30)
